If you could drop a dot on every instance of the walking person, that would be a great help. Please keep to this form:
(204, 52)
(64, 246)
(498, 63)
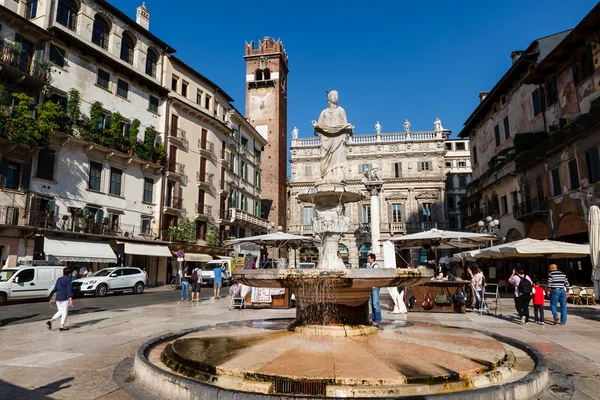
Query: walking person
(477, 282)
(196, 281)
(64, 299)
(523, 291)
(218, 282)
(375, 306)
(186, 274)
(538, 303)
(558, 285)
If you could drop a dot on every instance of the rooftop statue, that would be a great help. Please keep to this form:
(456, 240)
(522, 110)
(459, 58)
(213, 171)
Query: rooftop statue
(333, 128)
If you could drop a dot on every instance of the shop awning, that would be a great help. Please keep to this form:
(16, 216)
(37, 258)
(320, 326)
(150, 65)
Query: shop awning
(197, 257)
(152, 250)
(225, 258)
(79, 250)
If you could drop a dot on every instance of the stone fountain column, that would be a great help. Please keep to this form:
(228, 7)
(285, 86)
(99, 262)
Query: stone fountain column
(374, 188)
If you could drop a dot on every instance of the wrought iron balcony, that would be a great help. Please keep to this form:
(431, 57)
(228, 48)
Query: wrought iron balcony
(21, 64)
(205, 179)
(206, 148)
(76, 223)
(203, 211)
(426, 225)
(178, 136)
(174, 203)
(531, 208)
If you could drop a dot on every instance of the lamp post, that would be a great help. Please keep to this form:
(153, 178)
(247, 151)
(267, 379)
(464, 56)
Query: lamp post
(489, 226)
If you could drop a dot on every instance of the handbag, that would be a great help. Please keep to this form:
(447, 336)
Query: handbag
(460, 299)
(442, 300)
(427, 304)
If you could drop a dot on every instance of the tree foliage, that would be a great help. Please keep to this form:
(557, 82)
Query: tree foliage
(212, 235)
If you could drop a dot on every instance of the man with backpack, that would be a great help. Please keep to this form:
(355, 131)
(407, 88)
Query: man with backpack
(196, 281)
(523, 292)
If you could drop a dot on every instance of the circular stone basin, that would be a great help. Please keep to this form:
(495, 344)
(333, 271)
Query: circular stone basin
(337, 297)
(401, 360)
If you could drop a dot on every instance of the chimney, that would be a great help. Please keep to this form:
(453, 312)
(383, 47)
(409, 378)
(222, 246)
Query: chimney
(482, 96)
(514, 56)
(142, 16)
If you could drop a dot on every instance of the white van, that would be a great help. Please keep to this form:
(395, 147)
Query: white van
(28, 282)
(208, 272)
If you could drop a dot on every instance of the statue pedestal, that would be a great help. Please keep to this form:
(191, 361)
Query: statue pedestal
(329, 220)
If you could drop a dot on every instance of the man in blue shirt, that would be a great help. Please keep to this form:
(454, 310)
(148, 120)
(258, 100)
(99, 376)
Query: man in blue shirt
(375, 307)
(218, 282)
(64, 299)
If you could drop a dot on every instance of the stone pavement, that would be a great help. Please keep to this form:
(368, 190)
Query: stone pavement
(79, 364)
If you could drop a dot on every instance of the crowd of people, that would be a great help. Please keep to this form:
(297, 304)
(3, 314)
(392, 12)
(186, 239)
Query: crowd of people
(526, 292)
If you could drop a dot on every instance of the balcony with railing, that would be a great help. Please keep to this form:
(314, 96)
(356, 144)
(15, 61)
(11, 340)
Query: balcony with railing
(205, 180)
(426, 226)
(74, 223)
(301, 229)
(203, 211)
(177, 136)
(173, 203)
(374, 138)
(176, 171)
(245, 218)
(206, 148)
(225, 157)
(531, 208)
(21, 66)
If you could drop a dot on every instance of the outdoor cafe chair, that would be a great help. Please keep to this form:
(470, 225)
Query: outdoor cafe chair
(589, 296)
(576, 296)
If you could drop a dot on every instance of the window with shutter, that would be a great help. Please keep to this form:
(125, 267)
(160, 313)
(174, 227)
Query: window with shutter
(116, 176)
(95, 176)
(592, 157)
(45, 165)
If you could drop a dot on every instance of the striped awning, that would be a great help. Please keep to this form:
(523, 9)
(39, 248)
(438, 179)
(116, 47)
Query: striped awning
(79, 250)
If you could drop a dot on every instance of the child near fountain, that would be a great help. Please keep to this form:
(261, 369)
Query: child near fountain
(538, 303)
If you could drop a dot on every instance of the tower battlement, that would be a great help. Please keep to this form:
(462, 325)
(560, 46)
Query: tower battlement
(266, 46)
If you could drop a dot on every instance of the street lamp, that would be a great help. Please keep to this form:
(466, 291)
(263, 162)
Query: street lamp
(490, 225)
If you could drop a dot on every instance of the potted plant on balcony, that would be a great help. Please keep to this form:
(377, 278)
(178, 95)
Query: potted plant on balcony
(105, 222)
(159, 154)
(44, 66)
(65, 218)
(14, 51)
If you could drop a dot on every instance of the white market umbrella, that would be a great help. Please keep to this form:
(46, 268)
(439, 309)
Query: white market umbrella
(443, 239)
(277, 239)
(594, 233)
(532, 248)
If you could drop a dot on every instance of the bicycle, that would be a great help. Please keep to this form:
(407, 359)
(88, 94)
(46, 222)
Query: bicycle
(175, 283)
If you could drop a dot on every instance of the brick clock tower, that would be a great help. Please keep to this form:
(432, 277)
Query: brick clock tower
(266, 108)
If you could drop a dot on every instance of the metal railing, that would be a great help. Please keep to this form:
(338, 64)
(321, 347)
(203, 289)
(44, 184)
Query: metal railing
(178, 134)
(530, 208)
(172, 202)
(425, 226)
(44, 219)
(205, 178)
(204, 210)
(206, 146)
(176, 167)
(23, 63)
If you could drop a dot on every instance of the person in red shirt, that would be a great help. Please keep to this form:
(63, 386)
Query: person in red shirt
(538, 303)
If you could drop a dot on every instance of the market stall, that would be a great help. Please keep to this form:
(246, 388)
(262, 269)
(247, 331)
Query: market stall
(442, 291)
(271, 297)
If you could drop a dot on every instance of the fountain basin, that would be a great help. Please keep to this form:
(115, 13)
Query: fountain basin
(332, 297)
(332, 194)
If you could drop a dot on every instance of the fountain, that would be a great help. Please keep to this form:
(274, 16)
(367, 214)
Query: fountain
(331, 348)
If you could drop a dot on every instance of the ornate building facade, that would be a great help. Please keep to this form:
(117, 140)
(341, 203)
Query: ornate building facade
(412, 167)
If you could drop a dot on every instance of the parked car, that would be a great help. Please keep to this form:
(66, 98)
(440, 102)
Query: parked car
(208, 272)
(111, 280)
(28, 282)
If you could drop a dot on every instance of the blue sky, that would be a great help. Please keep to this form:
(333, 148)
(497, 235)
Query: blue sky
(390, 60)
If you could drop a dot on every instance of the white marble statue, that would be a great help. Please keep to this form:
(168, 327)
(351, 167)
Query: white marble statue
(333, 128)
(295, 132)
(378, 127)
(438, 125)
(407, 126)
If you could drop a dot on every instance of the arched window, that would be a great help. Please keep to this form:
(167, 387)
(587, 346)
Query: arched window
(66, 13)
(344, 253)
(151, 61)
(100, 31)
(267, 74)
(258, 75)
(127, 46)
